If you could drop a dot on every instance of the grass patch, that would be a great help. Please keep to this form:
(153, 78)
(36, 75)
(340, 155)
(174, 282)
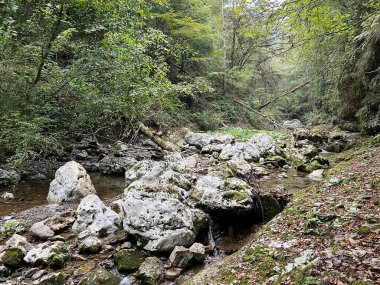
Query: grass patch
(245, 134)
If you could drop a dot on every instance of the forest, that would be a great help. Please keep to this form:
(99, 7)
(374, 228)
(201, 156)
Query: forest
(194, 142)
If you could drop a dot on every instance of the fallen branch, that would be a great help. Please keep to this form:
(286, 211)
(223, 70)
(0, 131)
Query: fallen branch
(148, 133)
(260, 114)
(283, 95)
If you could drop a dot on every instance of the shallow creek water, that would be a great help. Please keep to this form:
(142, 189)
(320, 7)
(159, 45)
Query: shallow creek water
(32, 194)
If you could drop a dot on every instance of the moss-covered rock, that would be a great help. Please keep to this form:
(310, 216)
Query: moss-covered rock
(4, 271)
(127, 260)
(13, 258)
(271, 206)
(100, 277)
(52, 279)
(90, 245)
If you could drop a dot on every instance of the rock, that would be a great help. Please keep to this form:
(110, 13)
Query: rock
(173, 273)
(40, 231)
(60, 222)
(13, 258)
(239, 166)
(180, 257)
(270, 206)
(8, 197)
(53, 254)
(18, 241)
(159, 221)
(223, 196)
(71, 183)
(260, 145)
(128, 260)
(79, 154)
(94, 218)
(52, 279)
(201, 140)
(317, 175)
(198, 251)
(100, 276)
(4, 271)
(90, 245)
(39, 274)
(293, 124)
(184, 164)
(150, 271)
(316, 137)
(8, 177)
(116, 165)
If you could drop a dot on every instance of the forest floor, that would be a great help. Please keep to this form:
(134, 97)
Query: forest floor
(328, 234)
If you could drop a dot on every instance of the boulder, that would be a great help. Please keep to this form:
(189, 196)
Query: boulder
(94, 218)
(239, 166)
(160, 221)
(8, 177)
(218, 195)
(53, 254)
(100, 276)
(41, 231)
(116, 165)
(201, 140)
(128, 260)
(71, 183)
(199, 252)
(317, 175)
(150, 271)
(180, 257)
(90, 245)
(17, 241)
(151, 176)
(293, 124)
(52, 279)
(260, 145)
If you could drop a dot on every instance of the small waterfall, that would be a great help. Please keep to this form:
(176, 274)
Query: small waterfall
(211, 240)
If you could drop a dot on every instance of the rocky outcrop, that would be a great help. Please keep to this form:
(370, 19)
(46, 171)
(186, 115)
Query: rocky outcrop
(8, 177)
(71, 183)
(94, 218)
(159, 221)
(216, 194)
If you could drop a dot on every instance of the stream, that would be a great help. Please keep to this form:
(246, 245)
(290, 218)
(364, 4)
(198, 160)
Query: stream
(33, 194)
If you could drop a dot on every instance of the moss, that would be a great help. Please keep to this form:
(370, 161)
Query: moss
(234, 195)
(271, 206)
(57, 261)
(245, 134)
(13, 258)
(263, 257)
(303, 277)
(364, 230)
(127, 261)
(5, 271)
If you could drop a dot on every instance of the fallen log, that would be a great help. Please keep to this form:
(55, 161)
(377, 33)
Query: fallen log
(283, 95)
(160, 142)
